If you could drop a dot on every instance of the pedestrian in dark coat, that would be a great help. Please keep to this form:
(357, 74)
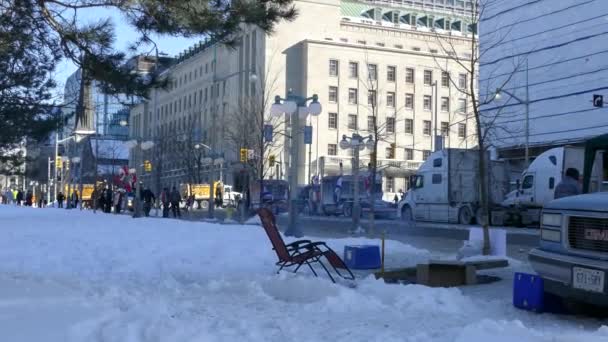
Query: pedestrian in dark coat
(60, 199)
(175, 199)
(165, 201)
(107, 201)
(19, 197)
(149, 199)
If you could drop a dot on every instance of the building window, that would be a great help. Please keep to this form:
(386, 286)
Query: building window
(389, 153)
(428, 77)
(409, 154)
(409, 75)
(332, 149)
(333, 94)
(332, 120)
(462, 81)
(391, 73)
(462, 105)
(409, 126)
(352, 121)
(390, 99)
(426, 154)
(390, 184)
(353, 70)
(372, 70)
(462, 130)
(426, 127)
(445, 79)
(390, 125)
(353, 95)
(409, 101)
(445, 128)
(427, 103)
(333, 67)
(371, 97)
(445, 104)
(370, 123)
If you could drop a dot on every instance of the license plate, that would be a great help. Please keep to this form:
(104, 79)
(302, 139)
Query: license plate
(588, 279)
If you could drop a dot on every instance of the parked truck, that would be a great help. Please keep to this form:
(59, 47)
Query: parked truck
(521, 206)
(572, 257)
(446, 188)
(343, 205)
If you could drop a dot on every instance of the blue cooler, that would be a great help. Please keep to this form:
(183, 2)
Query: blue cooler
(528, 292)
(362, 257)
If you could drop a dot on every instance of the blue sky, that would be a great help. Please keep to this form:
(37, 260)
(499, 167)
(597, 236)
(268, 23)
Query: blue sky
(125, 34)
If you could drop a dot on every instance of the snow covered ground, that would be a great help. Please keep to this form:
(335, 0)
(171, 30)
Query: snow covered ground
(79, 276)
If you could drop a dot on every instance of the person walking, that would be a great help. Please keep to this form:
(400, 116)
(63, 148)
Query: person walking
(29, 198)
(107, 200)
(116, 202)
(60, 199)
(175, 198)
(164, 199)
(569, 185)
(75, 199)
(149, 198)
(19, 197)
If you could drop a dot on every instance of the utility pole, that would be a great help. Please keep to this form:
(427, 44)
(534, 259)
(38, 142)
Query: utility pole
(527, 152)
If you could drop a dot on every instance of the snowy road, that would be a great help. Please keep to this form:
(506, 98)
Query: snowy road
(78, 276)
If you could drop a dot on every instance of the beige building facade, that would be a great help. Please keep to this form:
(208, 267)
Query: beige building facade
(388, 61)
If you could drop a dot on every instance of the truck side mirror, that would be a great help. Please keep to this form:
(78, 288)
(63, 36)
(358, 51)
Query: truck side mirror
(517, 184)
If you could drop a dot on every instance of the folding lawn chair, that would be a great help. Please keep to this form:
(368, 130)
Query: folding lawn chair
(301, 252)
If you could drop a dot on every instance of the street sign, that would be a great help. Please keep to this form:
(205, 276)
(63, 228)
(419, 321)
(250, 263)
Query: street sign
(268, 133)
(244, 154)
(598, 100)
(308, 134)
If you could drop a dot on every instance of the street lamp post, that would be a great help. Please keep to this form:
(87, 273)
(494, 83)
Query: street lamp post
(214, 158)
(525, 102)
(141, 146)
(294, 104)
(357, 143)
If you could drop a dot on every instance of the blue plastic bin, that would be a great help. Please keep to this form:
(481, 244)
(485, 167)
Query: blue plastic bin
(362, 257)
(528, 292)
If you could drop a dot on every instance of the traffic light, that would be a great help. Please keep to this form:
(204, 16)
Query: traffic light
(244, 153)
(67, 164)
(147, 166)
(59, 162)
(271, 160)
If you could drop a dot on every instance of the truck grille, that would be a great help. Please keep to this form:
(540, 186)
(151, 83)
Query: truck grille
(588, 233)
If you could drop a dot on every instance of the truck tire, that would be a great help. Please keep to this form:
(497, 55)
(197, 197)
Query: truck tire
(406, 214)
(205, 205)
(465, 216)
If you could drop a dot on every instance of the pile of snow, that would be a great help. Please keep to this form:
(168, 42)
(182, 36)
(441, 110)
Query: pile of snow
(79, 276)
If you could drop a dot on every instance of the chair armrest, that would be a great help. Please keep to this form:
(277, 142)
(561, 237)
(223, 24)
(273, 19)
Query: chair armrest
(299, 242)
(314, 245)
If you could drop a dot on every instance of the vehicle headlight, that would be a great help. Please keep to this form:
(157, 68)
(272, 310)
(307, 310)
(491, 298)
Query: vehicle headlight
(554, 220)
(551, 235)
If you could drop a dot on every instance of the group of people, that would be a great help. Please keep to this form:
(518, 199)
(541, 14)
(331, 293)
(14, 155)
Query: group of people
(170, 201)
(17, 197)
(72, 201)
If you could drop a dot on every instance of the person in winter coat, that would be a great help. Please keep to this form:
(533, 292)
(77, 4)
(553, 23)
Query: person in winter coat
(149, 199)
(60, 199)
(116, 202)
(569, 185)
(175, 199)
(75, 199)
(29, 198)
(107, 200)
(164, 199)
(19, 197)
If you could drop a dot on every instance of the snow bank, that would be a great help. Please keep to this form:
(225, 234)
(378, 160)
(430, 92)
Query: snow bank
(121, 279)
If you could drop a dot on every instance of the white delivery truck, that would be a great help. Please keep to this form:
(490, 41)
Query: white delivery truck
(520, 206)
(446, 187)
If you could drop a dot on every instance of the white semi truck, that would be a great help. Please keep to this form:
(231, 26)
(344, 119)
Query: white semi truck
(445, 187)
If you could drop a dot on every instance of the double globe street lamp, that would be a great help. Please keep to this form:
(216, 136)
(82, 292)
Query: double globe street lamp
(290, 105)
(357, 143)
